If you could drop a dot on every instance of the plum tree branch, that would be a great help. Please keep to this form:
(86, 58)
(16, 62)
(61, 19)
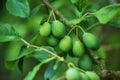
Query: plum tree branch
(97, 59)
(61, 17)
(40, 48)
(104, 72)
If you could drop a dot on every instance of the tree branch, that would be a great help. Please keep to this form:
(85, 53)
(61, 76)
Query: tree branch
(57, 13)
(97, 59)
(40, 48)
(114, 75)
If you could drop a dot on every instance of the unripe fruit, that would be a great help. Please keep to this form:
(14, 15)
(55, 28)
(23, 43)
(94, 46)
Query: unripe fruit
(58, 29)
(72, 74)
(45, 29)
(84, 76)
(65, 44)
(78, 48)
(91, 41)
(92, 75)
(85, 62)
(52, 41)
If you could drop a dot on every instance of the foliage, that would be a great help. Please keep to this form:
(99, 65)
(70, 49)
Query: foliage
(50, 31)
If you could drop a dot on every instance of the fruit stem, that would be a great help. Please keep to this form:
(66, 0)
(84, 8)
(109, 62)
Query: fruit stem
(76, 31)
(81, 29)
(72, 65)
(53, 15)
(81, 70)
(51, 12)
(71, 29)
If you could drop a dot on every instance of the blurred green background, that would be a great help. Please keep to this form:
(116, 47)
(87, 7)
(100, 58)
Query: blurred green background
(109, 37)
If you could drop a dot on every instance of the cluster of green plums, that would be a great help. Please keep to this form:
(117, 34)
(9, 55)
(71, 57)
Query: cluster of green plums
(57, 31)
(74, 74)
(56, 34)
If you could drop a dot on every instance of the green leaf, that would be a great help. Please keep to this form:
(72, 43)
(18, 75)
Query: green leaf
(32, 73)
(69, 11)
(18, 7)
(82, 4)
(52, 68)
(8, 33)
(23, 52)
(10, 63)
(35, 10)
(42, 55)
(20, 64)
(75, 21)
(107, 13)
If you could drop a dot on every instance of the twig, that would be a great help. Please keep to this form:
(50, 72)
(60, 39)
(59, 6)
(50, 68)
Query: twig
(97, 59)
(40, 48)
